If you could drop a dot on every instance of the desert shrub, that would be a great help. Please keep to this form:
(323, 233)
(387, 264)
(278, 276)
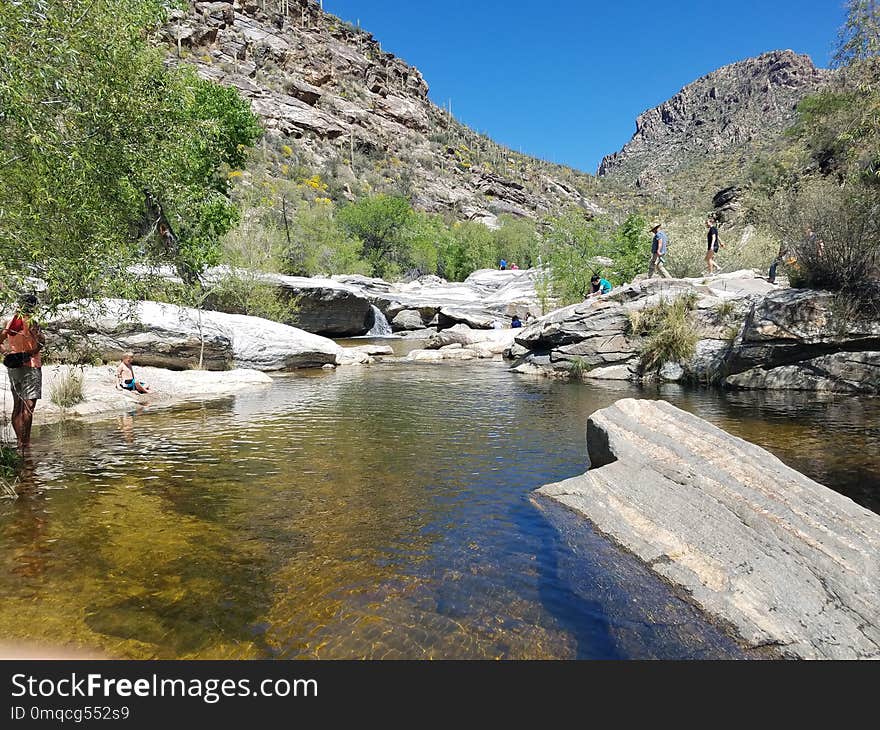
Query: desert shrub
(687, 245)
(725, 309)
(320, 245)
(242, 292)
(832, 231)
(745, 247)
(67, 390)
(257, 243)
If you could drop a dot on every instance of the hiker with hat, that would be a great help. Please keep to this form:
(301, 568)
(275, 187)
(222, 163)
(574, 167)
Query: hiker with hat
(22, 339)
(659, 244)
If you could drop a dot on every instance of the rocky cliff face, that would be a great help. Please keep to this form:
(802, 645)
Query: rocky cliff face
(330, 92)
(736, 111)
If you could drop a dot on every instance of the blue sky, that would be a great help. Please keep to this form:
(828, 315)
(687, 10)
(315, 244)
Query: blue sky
(565, 79)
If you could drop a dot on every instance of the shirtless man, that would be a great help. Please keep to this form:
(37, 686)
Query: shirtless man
(23, 337)
(125, 375)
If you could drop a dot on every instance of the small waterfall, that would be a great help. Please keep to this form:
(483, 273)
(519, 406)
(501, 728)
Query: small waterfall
(381, 328)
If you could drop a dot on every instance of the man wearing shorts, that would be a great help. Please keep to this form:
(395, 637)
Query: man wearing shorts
(23, 337)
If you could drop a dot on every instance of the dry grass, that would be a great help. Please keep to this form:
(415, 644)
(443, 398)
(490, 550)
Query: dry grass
(67, 390)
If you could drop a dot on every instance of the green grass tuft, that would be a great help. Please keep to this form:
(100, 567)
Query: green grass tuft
(669, 332)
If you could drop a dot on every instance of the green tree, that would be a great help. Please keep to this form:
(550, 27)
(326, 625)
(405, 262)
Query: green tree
(859, 38)
(629, 251)
(328, 248)
(573, 242)
(108, 157)
(382, 223)
(516, 241)
(470, 246)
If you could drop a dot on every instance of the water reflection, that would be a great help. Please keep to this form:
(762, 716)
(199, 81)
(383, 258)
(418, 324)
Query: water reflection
(376, 512)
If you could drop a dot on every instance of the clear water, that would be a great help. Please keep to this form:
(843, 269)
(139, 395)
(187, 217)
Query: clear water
(367, 512)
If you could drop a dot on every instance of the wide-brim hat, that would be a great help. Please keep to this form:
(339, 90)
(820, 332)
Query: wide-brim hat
(655, 226)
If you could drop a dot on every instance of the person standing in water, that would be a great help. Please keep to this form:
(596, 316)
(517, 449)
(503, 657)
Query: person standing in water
(22, 339)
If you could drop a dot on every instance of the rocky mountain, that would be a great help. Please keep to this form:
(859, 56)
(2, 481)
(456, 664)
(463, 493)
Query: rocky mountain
(714, 127)
(328, 91)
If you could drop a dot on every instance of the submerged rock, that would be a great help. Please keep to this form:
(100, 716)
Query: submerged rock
(786, 561)
(671, 372)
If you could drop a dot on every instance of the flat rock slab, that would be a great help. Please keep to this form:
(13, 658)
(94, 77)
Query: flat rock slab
(102, 397)
(784, 560)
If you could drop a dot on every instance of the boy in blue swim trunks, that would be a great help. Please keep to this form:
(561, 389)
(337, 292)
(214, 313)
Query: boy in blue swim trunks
(125, 376)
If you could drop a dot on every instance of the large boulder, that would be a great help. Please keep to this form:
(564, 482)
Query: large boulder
(101, 395)
(792, 325)
(485, 296)
(168, 336)
(484, 344)
(784, 560)
(839, 372)
(407, 319)
(324, 307)
(593, 334)
(476, 318)
(321, 306)
(463, 335)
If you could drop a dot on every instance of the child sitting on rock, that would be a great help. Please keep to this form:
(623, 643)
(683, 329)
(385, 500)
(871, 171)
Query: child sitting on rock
(125, 376)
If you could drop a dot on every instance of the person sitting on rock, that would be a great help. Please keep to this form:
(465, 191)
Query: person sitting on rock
(514, 267)
(599, 286)
(502, 265)
(125, 376)
(515, 322)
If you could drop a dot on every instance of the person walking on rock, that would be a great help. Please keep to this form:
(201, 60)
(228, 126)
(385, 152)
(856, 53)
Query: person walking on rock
(713, 243)
(22, 339)
(659, 245)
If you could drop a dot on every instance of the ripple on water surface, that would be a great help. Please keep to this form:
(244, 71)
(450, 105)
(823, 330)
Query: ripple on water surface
(380, 512)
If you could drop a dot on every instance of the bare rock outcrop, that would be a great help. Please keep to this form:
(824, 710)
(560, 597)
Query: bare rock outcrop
(328, 90)
(168, 336)
(738, 108)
